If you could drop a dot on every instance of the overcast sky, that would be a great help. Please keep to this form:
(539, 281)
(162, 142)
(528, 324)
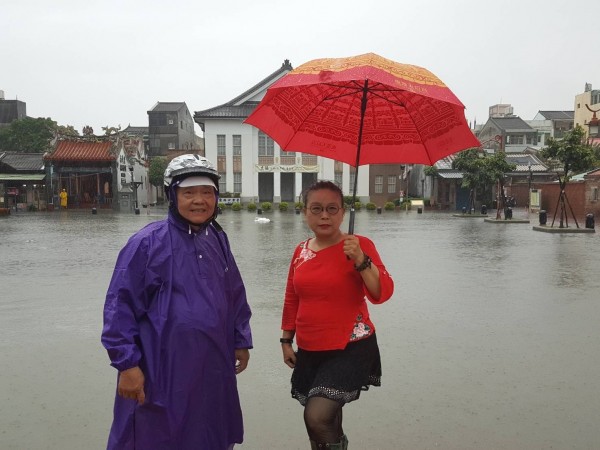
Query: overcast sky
(105, 63)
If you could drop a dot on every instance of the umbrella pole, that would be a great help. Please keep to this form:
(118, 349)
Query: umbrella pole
(363, 109)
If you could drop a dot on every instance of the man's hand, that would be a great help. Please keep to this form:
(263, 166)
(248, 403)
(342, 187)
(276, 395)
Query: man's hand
(131, 384)
(242, 356)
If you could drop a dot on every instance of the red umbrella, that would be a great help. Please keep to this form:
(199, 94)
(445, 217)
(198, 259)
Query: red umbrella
(364, 110)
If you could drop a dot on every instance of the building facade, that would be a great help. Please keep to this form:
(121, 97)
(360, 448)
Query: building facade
(98, 171)
(253, 166)
(22, 181)
(551, 124)
(588, 99)
(170, 127)
(11, 110)
(514, 134)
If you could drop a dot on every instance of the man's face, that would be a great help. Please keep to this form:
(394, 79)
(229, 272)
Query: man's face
(196, 204)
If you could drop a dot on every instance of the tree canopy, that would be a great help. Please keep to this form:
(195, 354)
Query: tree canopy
(156, 170)
(28, 135)
(480, 169)
(32, 135)
(572, 151)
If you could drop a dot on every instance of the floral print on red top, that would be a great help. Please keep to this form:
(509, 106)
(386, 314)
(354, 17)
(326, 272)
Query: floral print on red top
(361, 330)
(305, 255)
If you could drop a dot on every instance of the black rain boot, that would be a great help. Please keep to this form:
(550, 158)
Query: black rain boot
(344, 442)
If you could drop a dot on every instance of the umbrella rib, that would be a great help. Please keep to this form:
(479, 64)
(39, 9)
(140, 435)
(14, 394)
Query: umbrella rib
(398, 103)
(340, 96)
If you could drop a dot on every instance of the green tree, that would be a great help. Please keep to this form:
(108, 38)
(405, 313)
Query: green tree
(33, 135)
(469, 163)
(156, 171)
(28, 135)
(496, 168)
(575, 155)
(67, 130)
(481, 171)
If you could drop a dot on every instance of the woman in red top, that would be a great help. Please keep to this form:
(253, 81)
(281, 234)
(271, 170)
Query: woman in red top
(325, 310)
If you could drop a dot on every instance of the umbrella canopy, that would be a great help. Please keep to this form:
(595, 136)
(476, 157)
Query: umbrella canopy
(364, 110)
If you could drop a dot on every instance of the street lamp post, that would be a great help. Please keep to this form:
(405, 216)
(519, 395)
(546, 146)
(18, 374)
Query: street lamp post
(593, 124)
(499, 140)
(529, 188)
(135, 185)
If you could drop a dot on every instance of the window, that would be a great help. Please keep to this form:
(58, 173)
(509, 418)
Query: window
(223, 182)
(237, 145)
(237, 182)
(378, 184)
(514, 140)
(594, 194)
(338, 178)
(220, 145)
(266, 146)
(171, 145)
(392, 184)
(352, 177)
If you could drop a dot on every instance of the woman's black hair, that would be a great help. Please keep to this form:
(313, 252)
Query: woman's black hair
(323, 184)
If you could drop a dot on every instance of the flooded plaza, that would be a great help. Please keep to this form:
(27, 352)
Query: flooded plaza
(490, 341)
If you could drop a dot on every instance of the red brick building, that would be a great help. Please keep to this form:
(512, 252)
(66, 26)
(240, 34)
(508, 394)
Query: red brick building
(583, 194)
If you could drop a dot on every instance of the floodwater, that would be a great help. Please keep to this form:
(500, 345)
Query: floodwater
(491, 340)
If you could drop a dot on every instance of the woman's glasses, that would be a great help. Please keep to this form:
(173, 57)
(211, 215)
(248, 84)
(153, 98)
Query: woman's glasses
(332, 210)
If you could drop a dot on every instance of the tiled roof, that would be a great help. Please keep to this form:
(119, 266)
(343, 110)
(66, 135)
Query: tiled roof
(135, 130)
(233, 109)
(168, 106)
(23, 161)
(82, 151)
(227, 111)
(582, 176)
(558, 115)
(451, 175)
(511, 124)
(445, 163)
(594, 173)
(522, 161)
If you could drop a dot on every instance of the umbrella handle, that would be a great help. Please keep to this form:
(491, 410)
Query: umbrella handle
(351, 221)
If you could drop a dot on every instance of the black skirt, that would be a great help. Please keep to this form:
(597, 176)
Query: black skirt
(339, 375)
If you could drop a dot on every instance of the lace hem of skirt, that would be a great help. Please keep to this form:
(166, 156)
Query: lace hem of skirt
(339, 396)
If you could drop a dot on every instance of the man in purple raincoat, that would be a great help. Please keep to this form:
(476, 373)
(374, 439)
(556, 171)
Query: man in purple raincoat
(176, 324)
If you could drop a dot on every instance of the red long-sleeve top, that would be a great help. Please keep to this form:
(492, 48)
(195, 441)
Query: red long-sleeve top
(325, 296)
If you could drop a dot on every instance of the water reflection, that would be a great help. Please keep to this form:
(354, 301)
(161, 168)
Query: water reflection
(490, 340)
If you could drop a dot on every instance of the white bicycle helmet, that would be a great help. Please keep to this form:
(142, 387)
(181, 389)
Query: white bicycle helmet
(184, 166)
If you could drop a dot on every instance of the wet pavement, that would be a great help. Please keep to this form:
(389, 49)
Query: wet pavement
(489, 342)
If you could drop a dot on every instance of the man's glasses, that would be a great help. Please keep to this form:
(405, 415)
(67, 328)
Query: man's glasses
(332, 210)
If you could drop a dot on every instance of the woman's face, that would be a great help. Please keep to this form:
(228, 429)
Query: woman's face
(196, 203)
(324, 213)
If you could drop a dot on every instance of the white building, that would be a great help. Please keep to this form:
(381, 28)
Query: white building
(252, 164)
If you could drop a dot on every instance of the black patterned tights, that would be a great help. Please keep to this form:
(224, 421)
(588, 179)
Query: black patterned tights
(323, 420)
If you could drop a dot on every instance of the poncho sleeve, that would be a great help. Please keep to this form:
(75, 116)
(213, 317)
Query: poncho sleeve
(241, 308)
(124, 305)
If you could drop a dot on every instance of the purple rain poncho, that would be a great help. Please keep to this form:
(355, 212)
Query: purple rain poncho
(176, 306)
